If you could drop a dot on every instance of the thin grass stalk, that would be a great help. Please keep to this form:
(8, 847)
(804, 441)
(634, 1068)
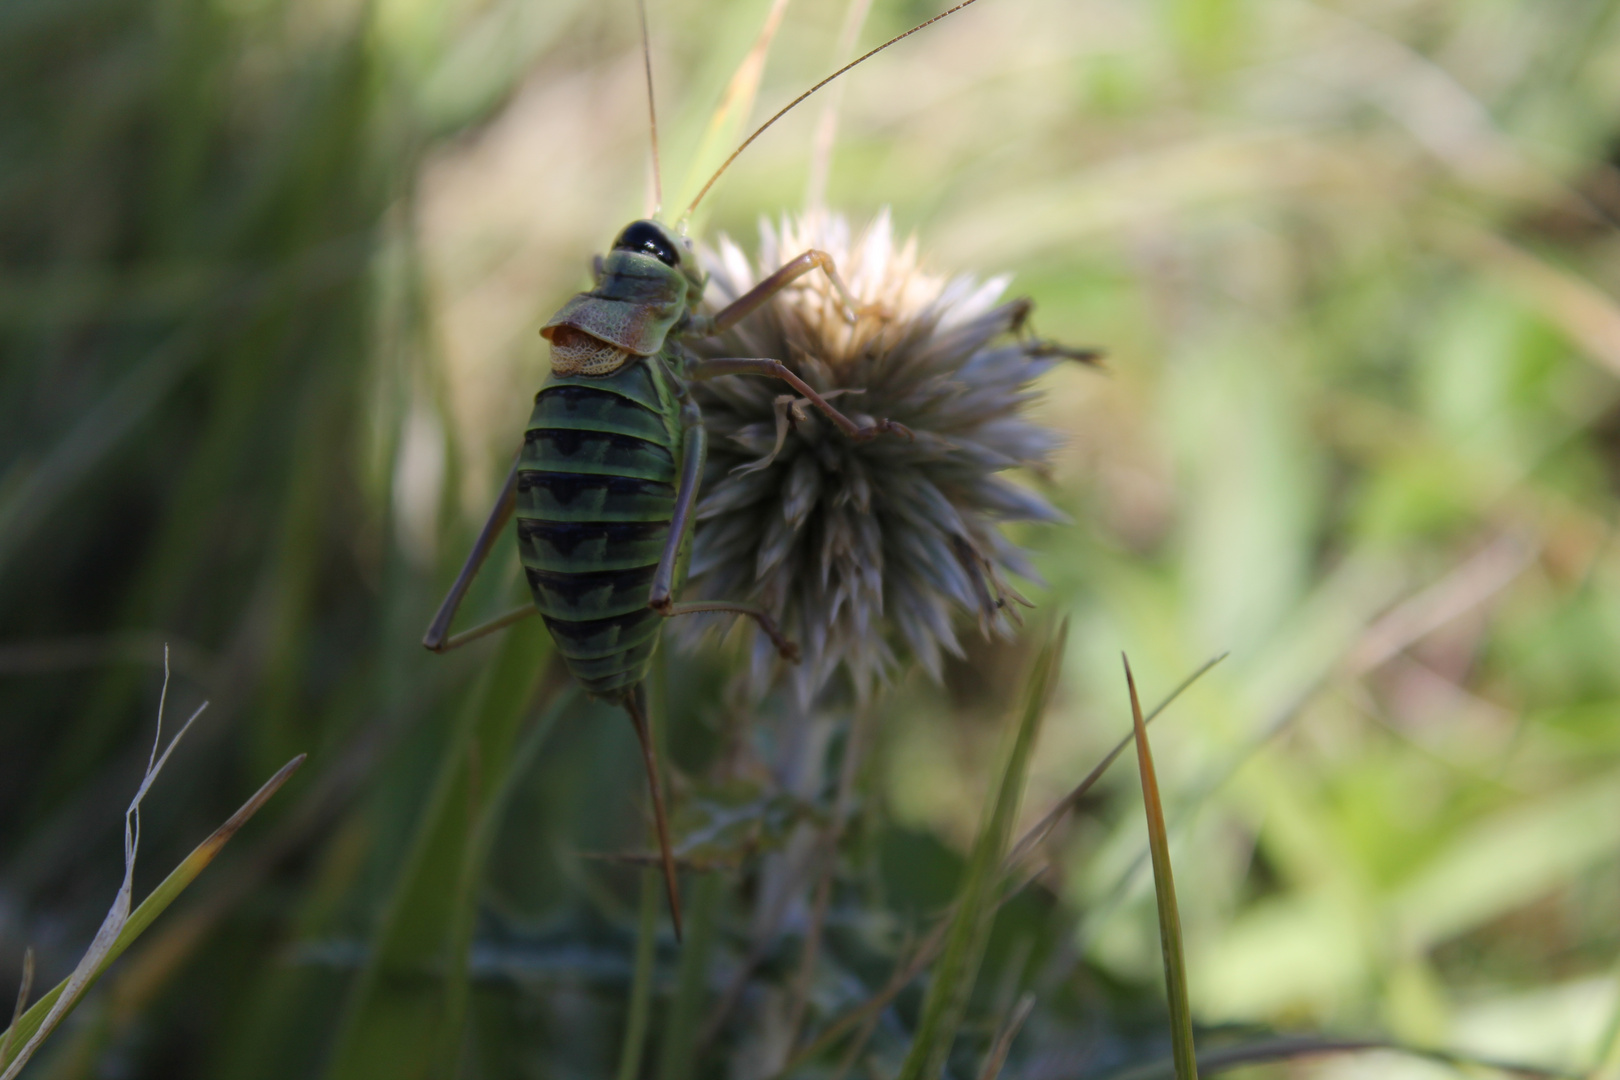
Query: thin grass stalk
(1164, 886)
(1005, 1034)
(853, 1052)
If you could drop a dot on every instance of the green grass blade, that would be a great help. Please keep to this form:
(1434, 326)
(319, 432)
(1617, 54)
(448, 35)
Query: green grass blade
(958, 965)
(635, 1027)
(926, 951)
(156, 902)
(682, 1023)
(29, 497)
(23, 991)
(1164, 887)
(403, 1018)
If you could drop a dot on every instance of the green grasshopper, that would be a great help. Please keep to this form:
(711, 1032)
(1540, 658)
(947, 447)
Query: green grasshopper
(605, 486)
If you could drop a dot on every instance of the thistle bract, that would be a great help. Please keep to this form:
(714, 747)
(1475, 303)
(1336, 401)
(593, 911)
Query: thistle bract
(868, 553)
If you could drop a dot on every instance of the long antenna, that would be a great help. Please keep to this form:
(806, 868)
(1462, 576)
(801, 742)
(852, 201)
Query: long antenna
(652, 109)
(790, 105)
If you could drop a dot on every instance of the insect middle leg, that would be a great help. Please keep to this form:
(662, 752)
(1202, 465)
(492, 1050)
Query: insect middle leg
(661, 598)
(438, 639)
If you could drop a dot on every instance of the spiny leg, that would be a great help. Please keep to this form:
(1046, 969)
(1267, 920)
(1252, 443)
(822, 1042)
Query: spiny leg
(775, 369)
(635, 703)
(661, 597)
(437, 638)
(748, 302)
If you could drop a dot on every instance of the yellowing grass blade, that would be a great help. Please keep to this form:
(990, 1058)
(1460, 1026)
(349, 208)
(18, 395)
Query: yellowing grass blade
(1164, 887)
(1041, 828)
(726, 124)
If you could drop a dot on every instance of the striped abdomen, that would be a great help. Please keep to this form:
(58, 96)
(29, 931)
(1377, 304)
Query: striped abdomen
(596, 491)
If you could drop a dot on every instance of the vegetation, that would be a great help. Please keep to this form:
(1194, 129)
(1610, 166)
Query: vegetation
(270, 276)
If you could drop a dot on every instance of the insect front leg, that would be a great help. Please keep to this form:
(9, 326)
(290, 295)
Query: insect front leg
(437, 638)
(775, 369)
(750, 301)
(661, 599)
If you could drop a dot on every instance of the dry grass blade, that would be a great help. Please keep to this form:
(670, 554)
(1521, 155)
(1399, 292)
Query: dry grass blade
(97, 956)
(1005, 1036)
(738, 100)
(1164, 887)
(118, 934)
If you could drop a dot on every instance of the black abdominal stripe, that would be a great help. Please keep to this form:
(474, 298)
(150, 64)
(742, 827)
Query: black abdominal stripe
(596, 491)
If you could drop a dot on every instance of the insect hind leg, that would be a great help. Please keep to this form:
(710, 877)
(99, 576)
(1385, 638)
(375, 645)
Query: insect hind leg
(635, 703)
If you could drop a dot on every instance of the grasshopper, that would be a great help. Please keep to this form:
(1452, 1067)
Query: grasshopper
(606, 484)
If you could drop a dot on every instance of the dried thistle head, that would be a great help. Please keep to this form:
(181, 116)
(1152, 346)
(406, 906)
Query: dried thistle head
(866, 553)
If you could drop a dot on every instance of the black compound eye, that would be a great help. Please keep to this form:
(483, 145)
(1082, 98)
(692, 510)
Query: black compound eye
(649, 239)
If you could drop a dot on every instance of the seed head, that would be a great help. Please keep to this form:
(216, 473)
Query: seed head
(867, 553)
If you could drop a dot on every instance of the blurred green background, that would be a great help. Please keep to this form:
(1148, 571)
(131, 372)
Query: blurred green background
(270, 278)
